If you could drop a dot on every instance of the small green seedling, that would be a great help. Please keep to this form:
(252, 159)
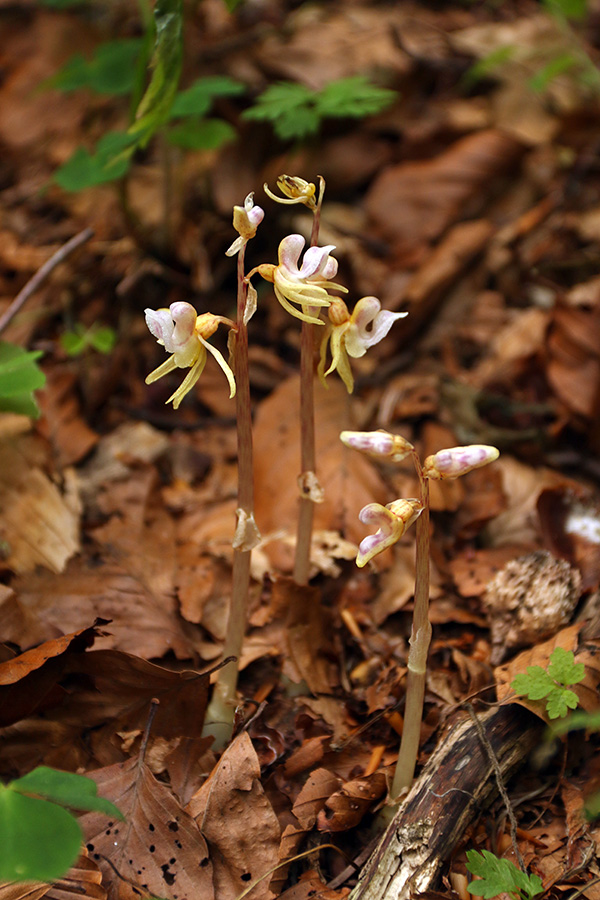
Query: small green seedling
(296, 111)
(500, 876)
(20, 376)
(40, 840)
(552, 683)
(97, 337)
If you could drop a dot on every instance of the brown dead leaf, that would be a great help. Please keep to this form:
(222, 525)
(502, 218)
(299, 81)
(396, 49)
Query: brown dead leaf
(412, 203)
(350, 481)
(473, 569)
(428, 287)
(158, 847)
(83, 879)
(40, 526)
(311, 887)
(62, 423)
(28, 682)
(23, 890)
(127, 577)
(347, 806)
(573, 348)
(118, 701)
(319, 786)
(239, 824)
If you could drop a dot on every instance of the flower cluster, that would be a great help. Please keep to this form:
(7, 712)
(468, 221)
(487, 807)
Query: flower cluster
(393, 520)
(301, 287)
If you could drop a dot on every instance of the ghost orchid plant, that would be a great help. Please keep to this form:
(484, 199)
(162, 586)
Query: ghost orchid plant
(391, 522)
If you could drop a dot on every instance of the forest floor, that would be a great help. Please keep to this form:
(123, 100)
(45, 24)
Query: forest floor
(473, 203)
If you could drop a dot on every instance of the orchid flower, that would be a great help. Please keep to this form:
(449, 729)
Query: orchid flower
(350, 335)
(295, 190)
(305, 285)
(183, 334)
(246, 220)
(391, 522)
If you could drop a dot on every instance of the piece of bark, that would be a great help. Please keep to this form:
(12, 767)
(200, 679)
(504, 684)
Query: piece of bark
(457, 784)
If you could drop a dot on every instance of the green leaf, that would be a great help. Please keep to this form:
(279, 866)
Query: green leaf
(66, 789)
(353, 97)
(63, 4)
(564, 669)
(73, 343)
(560, 701)
(39, 840)
(19, 377)
(568, 9)
(155, 106)
(201, 134)
(542, 78)
(198, 98)
(111, 160)
(110, 71)
(102, 338)
(498, 876)
(232, 4)
(290, 109)
(486, 65)
(579, 720)
(535, 685)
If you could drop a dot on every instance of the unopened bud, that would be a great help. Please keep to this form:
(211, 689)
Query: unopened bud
(456, 461)
(378, 444)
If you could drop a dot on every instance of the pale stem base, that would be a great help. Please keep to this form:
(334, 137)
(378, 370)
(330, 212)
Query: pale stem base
(417, 655)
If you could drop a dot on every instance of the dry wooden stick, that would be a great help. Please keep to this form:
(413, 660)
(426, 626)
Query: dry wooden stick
(42, 273)
(457, 784)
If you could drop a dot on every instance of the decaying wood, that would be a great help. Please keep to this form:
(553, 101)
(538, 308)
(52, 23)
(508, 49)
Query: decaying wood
(457, 784)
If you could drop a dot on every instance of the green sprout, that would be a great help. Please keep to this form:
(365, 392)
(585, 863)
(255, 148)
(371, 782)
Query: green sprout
(500, 876)
(552, 684)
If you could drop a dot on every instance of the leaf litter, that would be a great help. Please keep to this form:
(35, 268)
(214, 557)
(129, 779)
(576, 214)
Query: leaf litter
(472, 203)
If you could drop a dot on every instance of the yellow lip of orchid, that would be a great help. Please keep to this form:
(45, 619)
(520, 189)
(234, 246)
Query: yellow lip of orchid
(352, 335)
(183, 334)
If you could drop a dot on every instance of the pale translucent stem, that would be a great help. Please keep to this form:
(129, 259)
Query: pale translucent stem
(308, 461)
(419, 646)
(221, 710)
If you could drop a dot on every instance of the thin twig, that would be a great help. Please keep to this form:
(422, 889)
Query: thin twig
(42, 273)
(501, 789)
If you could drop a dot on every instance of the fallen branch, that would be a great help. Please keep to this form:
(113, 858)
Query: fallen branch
(457, 784)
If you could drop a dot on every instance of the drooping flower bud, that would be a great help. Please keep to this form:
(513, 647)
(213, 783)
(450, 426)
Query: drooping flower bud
(392, 521)
(456, 461)
(378, 444)
(246, 220)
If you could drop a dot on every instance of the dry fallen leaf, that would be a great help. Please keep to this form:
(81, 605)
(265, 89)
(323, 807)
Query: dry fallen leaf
(158, 847)
(40, 526)
(237, 819)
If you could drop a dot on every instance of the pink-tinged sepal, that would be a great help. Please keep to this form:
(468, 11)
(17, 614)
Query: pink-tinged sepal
(456, 461)
(391, 522)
